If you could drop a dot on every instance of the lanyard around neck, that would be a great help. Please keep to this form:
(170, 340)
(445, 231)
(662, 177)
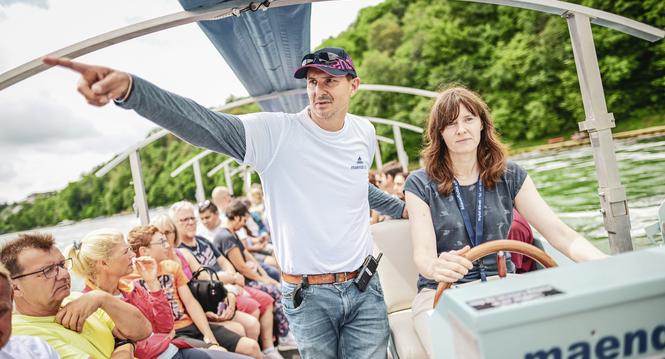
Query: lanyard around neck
(475, 236)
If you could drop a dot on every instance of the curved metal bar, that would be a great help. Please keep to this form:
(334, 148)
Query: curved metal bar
(385, 139)
(598, 17)
(220, 166)
(403, 125)
(399, 89)
(190, 162)
(226, 9)
(239, 169)
(364, 87)
(135, 147)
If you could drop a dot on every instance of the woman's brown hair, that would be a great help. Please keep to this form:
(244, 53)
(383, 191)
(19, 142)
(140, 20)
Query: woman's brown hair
(491, 152)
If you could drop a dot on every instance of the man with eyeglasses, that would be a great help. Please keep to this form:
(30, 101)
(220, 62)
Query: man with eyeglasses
(314, 167)
(17, 346)
(76, 325)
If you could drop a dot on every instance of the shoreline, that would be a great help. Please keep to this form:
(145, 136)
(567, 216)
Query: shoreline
(649, 131)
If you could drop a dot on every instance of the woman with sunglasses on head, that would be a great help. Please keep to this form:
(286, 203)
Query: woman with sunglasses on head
(247, 300)
(103, 258)
(466, 167)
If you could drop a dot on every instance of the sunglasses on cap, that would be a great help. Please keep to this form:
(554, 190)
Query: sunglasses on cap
(324, 58)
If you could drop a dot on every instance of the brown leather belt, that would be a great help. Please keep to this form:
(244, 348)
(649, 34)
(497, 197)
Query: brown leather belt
(314, 279)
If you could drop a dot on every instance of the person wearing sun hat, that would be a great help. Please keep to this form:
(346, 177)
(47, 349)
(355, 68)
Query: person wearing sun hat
(314, 166)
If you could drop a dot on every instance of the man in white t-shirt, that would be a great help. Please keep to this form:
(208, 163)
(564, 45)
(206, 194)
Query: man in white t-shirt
(17, 346)
(314, 169)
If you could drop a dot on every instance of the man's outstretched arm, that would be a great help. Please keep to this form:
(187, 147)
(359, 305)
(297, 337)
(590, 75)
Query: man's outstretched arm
(185, 118)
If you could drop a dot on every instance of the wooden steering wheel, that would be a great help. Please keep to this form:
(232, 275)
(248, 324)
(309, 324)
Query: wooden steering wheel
(507, 245)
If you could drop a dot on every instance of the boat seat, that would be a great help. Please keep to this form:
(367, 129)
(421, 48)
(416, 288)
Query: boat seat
(398, 275)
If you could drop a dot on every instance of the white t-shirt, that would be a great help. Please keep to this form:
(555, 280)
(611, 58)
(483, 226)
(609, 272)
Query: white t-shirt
(25, 346)
(316, 187)
(208, 234)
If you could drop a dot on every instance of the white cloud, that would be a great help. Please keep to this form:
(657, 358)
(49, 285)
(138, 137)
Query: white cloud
(49, 135)
(38, 3)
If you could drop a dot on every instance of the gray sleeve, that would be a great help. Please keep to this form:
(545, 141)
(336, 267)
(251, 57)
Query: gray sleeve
(187, 119)
(384, 203)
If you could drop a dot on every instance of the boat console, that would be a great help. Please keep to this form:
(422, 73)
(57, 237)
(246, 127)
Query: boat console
(611, 308)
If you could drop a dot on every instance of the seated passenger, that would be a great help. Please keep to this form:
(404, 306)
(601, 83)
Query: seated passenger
(465, 163)
(17, 346)
(386, 178)
(258, 207)
(102, 259)
(398, 185)
(228, 242)
(200, 251)
(248, 300)
(87, 325)
(211, 223)
(191, 322)
(520, 230)
(221, 197)
(257, 244)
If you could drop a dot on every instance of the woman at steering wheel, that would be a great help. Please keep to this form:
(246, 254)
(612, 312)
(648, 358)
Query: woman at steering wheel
(465, 196)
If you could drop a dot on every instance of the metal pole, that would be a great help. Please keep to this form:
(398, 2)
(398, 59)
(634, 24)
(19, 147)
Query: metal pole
(248, 181)
(377, 156)
(599, 124)
(140, 202)
(200, 191)
(227, 179)
(401, 153)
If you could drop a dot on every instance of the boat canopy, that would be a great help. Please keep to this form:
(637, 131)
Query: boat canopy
(263, 48)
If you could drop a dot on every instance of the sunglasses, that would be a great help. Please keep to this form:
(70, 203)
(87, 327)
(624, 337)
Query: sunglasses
(205, 205)
(324, 58)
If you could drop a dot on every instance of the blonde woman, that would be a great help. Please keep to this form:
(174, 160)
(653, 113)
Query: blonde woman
(103, 258)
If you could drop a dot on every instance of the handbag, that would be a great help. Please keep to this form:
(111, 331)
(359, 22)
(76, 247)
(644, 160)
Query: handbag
(208, 292)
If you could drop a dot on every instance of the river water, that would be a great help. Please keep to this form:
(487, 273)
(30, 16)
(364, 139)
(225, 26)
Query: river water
(566, 180)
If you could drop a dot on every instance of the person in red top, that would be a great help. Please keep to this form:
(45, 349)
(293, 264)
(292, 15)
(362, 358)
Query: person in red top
(103, 258)
(251, 301)
(520, 230)
(191, 322)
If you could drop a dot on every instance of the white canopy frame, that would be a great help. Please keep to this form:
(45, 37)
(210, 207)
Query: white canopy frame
(598, 121)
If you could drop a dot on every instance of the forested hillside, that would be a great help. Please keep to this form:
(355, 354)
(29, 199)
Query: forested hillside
(521, 61)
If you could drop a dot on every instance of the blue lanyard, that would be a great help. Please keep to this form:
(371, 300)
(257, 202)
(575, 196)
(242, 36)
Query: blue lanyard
(476, 237)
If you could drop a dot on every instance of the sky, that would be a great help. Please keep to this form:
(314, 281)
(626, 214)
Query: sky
(49, 135)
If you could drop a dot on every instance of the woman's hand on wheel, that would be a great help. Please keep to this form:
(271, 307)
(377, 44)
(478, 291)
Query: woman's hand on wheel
(451, 266)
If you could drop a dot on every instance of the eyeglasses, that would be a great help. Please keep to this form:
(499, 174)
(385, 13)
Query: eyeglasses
(187, 219)
(205, 205)
(163, 242)
(50, 271)
(168, 232)
(325, 58)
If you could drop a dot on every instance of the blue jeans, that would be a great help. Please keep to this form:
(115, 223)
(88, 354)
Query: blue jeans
(338, 320)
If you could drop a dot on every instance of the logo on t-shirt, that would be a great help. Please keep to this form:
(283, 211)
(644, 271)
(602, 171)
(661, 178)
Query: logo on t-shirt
(359, 165)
